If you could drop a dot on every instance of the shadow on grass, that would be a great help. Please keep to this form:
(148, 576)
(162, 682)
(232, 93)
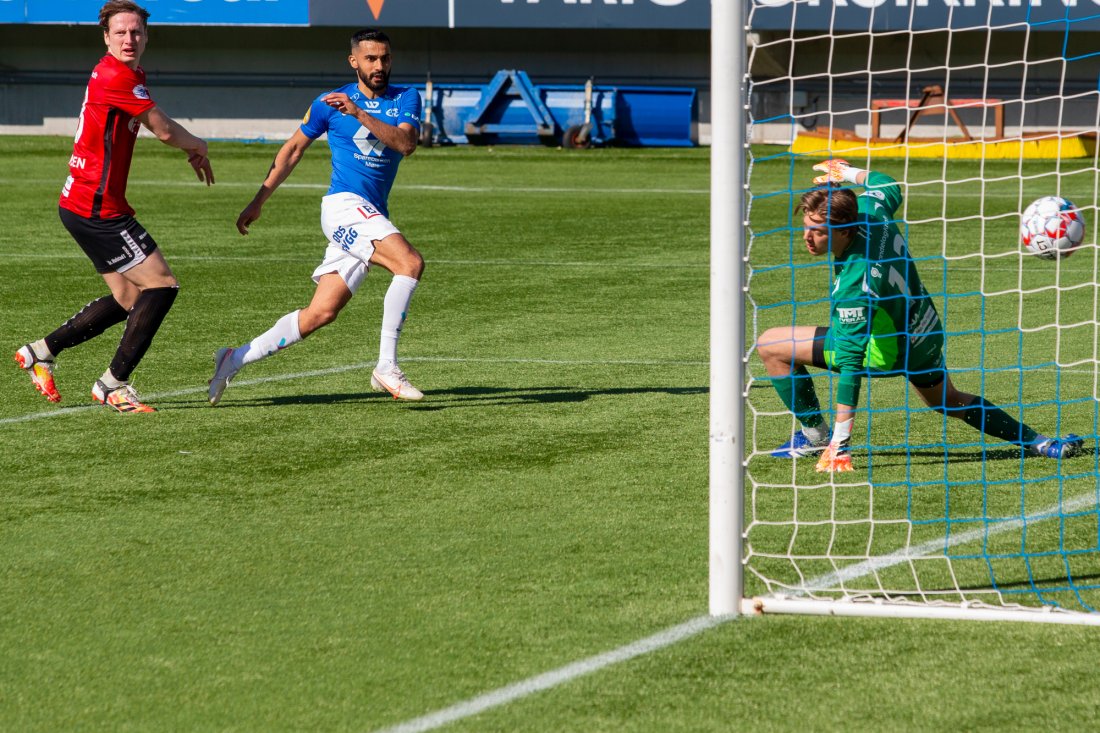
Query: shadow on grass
(976, 455)
(1050, 584)
(451, 398)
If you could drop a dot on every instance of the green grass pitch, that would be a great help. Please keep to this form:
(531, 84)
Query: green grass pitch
(311, 555)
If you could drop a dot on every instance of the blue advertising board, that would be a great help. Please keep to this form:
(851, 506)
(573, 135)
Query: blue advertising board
(168, 12)
(13, 11)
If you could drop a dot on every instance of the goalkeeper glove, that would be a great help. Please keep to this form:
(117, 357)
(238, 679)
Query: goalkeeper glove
(836, 171)
(837, 456)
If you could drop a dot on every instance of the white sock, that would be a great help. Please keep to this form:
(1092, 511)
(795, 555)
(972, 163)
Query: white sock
(394, 308)
(41, 351)
(109, 380)
(818, 433)
(283, 334)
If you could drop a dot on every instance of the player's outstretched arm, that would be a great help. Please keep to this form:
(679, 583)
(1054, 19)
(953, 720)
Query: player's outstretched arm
(402, 138)
(837, 171)
(285, 161)
(170, 132)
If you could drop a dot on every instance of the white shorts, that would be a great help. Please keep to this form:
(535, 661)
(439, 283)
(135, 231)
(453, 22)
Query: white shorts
(352, 225)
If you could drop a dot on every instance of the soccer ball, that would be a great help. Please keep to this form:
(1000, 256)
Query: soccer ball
(1052, 227)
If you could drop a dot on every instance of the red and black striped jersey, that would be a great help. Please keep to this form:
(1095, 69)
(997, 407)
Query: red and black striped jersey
(104, 145)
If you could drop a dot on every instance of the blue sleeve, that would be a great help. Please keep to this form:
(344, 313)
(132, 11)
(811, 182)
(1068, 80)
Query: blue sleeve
(315, 122)
(409, 107)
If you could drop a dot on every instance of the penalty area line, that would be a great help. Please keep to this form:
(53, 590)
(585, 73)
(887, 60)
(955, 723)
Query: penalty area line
(554, 678)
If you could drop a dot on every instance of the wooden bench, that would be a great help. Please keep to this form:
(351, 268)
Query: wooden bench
(933, 101)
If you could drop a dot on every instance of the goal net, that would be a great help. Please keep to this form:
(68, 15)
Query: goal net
(976, 109)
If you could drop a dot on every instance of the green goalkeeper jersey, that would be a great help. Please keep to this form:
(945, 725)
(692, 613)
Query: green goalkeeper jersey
(883, 320)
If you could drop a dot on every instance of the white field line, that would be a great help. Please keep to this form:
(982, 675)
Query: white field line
(152, 397)
(676, 634)
(568, 190)
(77, 255)
(934, 548)
(556, 677)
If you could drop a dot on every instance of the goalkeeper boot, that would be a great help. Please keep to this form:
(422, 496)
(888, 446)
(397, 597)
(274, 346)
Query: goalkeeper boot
(800, 445)
(223, 372)
(393, 380)
(122, 398)
(1065, 447)
(41, 372)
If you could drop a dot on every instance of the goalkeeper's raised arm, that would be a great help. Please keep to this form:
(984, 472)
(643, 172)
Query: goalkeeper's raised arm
(882, 323)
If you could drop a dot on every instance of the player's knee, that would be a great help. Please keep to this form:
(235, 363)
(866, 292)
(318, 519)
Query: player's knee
(414, 264)
(314, 318)
(773, 344)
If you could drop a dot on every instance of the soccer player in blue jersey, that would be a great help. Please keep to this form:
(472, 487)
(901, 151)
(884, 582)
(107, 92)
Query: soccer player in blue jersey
(883, 323)
(371, 126)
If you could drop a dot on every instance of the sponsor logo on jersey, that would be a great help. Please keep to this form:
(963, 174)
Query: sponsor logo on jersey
(372, 104)
(875, 195)
(305, 120)
(851, 315)
(133, 125)
(77, 162)
(366, 145)
(392, 112)
(141, 92)
(67, 187)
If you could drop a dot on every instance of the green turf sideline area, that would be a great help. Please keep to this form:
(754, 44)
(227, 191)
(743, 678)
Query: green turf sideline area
(312, 555)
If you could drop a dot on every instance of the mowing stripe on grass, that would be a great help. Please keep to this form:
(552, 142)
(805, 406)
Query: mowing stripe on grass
(365, 365)
(676, 634)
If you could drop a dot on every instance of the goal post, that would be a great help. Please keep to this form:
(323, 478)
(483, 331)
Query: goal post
(727, 227)
(975, 110)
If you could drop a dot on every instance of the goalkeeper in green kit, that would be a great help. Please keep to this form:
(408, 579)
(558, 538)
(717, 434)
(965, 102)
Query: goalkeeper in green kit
(882, 323)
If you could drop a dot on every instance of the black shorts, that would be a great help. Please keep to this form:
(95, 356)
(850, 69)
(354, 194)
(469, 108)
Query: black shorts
(113, 245)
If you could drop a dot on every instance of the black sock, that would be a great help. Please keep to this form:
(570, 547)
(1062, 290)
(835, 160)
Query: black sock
(983, 415)
(92, 320)
(141, 325)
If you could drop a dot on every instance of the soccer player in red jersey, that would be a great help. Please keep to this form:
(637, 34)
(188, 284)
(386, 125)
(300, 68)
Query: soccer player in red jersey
(93, 208)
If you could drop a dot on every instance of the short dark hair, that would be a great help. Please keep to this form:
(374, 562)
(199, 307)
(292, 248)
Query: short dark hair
(114, 7)
(368, 34)
(837, 207)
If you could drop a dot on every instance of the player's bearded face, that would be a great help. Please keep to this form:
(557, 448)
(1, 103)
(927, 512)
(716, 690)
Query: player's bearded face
(371, 61)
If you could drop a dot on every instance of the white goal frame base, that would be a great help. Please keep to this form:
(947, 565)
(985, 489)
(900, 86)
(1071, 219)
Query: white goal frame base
(882, 609)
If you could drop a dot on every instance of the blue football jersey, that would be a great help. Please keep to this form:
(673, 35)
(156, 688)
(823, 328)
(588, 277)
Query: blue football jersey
(361, 164)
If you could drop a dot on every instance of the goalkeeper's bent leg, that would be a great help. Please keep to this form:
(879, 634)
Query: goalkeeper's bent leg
(798, 394)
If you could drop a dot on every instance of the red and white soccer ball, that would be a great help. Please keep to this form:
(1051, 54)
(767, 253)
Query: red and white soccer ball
(1052, 227)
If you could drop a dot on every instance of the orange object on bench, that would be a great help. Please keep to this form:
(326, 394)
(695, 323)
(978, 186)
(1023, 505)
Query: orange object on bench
(933, 101)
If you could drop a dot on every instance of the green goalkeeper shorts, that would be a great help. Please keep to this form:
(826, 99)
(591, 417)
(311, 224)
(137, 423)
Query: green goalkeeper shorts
(922, 365)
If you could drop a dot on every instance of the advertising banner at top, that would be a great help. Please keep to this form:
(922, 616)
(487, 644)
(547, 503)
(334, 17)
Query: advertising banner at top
(166, 12)
(661, 14)
(807, 15)
(892, 15)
